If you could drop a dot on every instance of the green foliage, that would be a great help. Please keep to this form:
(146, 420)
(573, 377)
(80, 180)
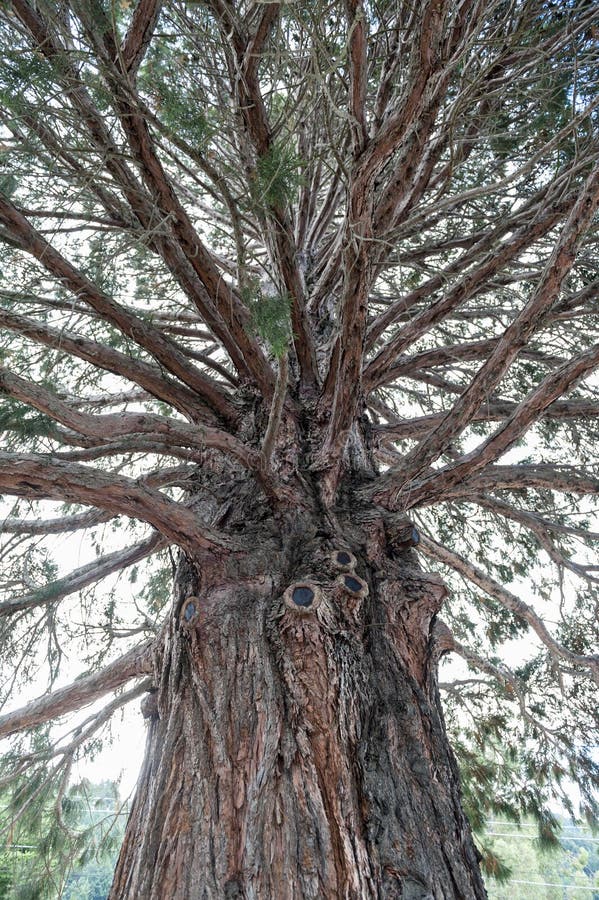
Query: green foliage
(277, 176)
(175, 102)
(569, 869)
(45, 855)
(24, 421)
(270, 317)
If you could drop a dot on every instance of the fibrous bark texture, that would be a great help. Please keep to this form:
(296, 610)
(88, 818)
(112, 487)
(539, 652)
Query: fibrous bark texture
(296, 746)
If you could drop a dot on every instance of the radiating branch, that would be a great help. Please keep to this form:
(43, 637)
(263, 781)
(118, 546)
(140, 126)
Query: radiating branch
(81, 693)
(84, 576)
(509, 601)
(38, 477)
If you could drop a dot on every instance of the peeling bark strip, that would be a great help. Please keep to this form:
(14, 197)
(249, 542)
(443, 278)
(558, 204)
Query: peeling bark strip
(297, 756)
(133, 664)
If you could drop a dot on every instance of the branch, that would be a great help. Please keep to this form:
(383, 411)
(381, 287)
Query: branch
(136, 662)
(164, 431)
(40, 477)
(137, 40)
(542, 476)
(358, 72)
(151, 339)
(526, 413)
(541, 528)
(496, 410)
(514, 338)
(468, 351)
(59, 525)
(221, 308)
(187, 258)
(276, 411)
(512, 685)
(84, 576)
(509, 601)
(147, 376)
(473, 281)
(246, 53)
(62, 524)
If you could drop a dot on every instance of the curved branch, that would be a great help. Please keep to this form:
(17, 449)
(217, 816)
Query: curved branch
(137, 662)
(530, 410)
(108, 426)
(84, 576)
(509, 601)
(541, 528)
(61, 524)
(104, 357)
(38, 477)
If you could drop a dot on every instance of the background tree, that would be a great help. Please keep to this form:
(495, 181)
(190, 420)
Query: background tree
(275, 277)
(78, 828)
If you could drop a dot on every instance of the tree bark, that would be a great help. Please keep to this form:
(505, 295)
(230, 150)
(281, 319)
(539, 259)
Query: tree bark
(299, 751)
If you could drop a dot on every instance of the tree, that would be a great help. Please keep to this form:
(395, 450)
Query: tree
(78, 829)
(302, 298)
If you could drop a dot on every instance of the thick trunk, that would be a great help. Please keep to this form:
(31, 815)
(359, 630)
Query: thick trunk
(298, 751)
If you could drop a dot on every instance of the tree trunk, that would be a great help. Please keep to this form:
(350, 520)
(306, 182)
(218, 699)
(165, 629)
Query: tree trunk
(296, 744)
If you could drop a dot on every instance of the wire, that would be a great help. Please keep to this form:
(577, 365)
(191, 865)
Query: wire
(530, 837)
(564, 887)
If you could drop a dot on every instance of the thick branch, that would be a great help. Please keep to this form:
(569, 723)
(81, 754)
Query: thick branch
(133, 664)
(166, 431)
(84, 576)
(137, 40)
(62, 524)
(37, 477)
(358, 72)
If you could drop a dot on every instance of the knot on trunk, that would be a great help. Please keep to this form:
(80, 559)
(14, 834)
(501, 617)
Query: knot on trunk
(303, 597)
(343, 559)
(190, 611)
(353, 584)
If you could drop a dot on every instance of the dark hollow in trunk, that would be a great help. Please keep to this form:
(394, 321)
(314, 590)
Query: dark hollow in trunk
(297, 750)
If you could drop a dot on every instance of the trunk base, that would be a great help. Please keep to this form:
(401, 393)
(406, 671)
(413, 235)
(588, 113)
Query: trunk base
(296, 747)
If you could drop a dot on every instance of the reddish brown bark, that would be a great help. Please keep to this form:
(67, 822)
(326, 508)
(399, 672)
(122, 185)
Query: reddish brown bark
(300, 752)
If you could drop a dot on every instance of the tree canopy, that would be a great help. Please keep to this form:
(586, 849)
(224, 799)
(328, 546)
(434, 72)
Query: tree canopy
(380, 216)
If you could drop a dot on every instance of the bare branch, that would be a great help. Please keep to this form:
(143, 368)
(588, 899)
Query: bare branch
(495, 410)
(37, 477)
(165, 431)
(84, 576)
(276, 411)
(133, 664)
(526, 413)
(147, 376)
(542, 476)
(522, 610)
(514, 338)
(137, 40)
